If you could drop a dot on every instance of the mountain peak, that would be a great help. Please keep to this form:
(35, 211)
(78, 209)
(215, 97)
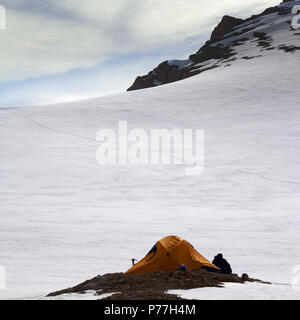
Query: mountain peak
(226, 25)
(232, 39)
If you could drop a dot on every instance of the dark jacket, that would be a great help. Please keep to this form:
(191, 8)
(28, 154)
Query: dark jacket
(220, 262)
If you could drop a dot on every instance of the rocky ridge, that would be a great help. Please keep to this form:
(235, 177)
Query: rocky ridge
(231, 37)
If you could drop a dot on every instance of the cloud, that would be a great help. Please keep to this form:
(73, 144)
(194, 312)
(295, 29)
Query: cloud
(35, 45)
(50, 36)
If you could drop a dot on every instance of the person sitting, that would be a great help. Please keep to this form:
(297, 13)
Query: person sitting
(220, 262)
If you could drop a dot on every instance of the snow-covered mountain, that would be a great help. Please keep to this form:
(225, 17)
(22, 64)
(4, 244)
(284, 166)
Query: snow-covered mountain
(233, 39)
(64, 218)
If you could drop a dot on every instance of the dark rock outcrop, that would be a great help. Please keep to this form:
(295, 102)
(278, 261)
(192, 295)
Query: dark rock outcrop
(154, 285)
(169, 72)
(226, 25)
(208, 52)
(216, 50)
(162, 74)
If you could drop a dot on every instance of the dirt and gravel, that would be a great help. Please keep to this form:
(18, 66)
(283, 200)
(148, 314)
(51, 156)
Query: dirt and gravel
(153, 286)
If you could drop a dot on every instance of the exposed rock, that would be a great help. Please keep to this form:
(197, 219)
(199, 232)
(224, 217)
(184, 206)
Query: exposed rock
(285, 9)
(208, 52)
(286, 48)
(245, 277)
(263, 40)
(167, 73)
(162, 74)
(222, 46)
(265, 12)
(226, 25)
(153, 286)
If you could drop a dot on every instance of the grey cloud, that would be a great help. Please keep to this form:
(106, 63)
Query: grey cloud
(50, 36)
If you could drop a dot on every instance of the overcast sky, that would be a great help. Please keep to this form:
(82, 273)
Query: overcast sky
(54, 50)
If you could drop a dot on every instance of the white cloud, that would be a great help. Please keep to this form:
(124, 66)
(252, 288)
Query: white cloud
(57, 36)
(180, 18)
(35, 46)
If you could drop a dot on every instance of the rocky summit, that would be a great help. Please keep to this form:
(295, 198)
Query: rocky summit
(233, 39)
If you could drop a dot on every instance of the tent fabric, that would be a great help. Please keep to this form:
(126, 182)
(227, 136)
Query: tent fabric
(168, 254)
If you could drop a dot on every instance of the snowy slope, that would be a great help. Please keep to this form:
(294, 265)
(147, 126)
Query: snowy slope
(65, 218)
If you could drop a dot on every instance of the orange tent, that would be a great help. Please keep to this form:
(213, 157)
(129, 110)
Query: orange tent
(168, 254)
